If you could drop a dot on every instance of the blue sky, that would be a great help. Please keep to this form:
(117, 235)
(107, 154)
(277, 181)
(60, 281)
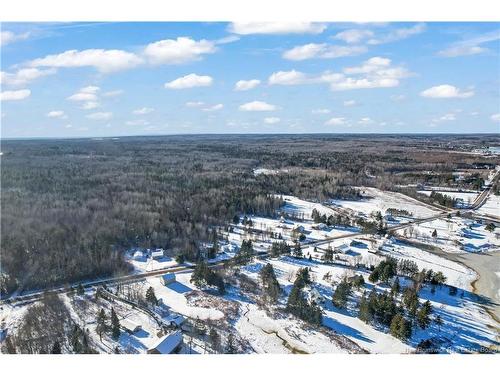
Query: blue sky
(115, 79)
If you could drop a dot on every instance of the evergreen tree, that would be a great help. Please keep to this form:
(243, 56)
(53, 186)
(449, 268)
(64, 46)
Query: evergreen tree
(423, 315)
(203, 276)
(400, 327)
(328, 255)
(297, 250)
(434, 234)
(341, 294)
(102, 323)
(151, 296)
(115, 325)
(56, 348)
(298, 305)
(230, 345)
(395, 287)
(410, 301)
(270, 284)
(365, 313)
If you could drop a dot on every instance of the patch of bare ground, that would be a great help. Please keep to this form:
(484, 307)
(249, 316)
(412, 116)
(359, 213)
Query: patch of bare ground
(206, 300)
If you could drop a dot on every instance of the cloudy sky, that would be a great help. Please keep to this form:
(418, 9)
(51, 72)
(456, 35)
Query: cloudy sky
(107, 79)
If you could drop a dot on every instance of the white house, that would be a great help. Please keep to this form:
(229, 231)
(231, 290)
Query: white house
(167, 279)
(157, 253)
(138, 254)
(168, 344)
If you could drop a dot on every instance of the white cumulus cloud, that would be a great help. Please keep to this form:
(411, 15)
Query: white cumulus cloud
(215, 107)
(7, 37)
(244, 85)
(257, 106)
(445, 92)
(349, 103)
(291, 77)
(57, 114)
(105, 61)
(336, 121)
(178, 51)
(189, 81)
(14, 95)
(24, 76)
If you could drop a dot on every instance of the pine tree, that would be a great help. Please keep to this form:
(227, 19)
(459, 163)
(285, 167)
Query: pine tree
(395, 287)
(115, 325)
(102, 324)
(270, 284)
(230, 345)
(151, 296)
(365, 314)
(400, 327)
(423, 315)
(9, 346)
(341, 294)
(328, 256)
(297, 250)
(56, 348)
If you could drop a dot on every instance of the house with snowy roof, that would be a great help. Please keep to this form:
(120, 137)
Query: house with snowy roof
(168, 344)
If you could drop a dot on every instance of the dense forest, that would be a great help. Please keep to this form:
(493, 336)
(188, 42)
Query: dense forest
(69, 208)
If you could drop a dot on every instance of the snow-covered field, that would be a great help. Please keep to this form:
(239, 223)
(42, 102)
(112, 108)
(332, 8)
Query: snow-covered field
(491, 207)
(377, 200)
(464, 199)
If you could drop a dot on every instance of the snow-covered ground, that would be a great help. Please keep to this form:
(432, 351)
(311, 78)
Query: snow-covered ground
(491, 207)
(378, 200)
(455, 235)
(464, 199)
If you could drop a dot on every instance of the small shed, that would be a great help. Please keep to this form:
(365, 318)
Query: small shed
(169, 344)
(157, 253)
(138, 254)
(167, 279)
